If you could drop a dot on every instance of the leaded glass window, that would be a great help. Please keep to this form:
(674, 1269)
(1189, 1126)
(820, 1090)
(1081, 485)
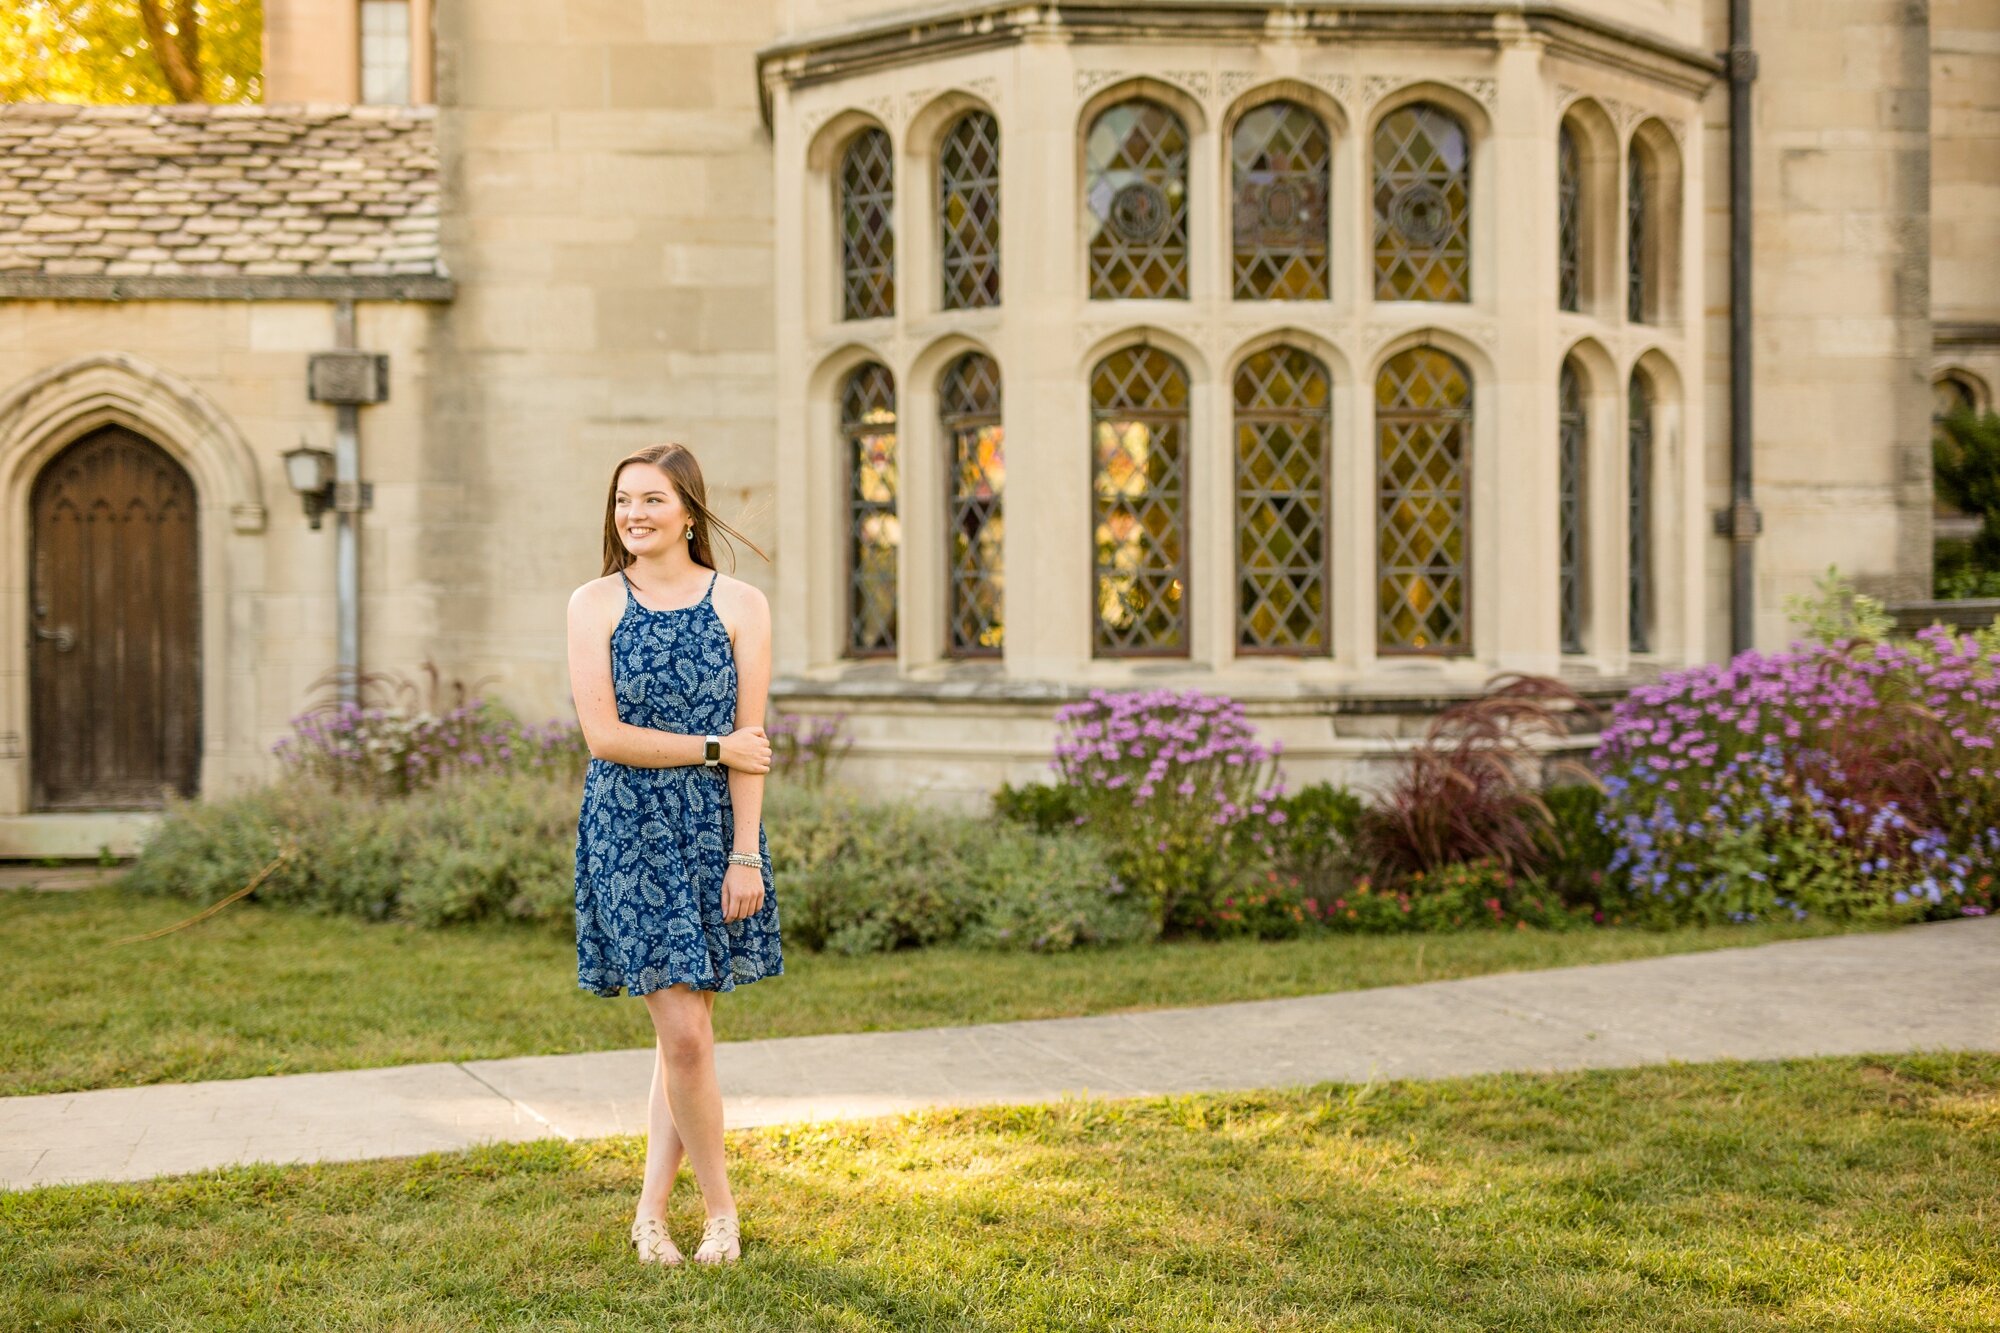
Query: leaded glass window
(969, 410)
(874, 534)
(867, 228)
(1280, 166)
(1139, 422)
(1282, 466)
(1423, 423)
(1636, 238)
(1639, 512)
(1135, 202)
(1572, 436)
(1423, 206)
(969, 212)
(1569, 220)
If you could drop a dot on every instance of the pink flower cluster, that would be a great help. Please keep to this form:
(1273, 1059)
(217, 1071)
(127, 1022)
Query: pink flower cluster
(1179, 747)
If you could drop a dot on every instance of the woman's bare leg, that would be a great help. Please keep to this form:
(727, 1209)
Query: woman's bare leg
(663, 1143)
(683, 1021)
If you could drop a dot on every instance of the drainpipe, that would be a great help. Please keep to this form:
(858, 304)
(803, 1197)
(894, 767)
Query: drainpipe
(1741, 522)
(347, 379)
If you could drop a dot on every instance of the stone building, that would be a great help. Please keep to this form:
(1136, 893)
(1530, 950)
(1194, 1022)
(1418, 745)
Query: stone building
(1335, 356)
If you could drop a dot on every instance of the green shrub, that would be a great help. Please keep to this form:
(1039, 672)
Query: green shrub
(1044, 807)
(1314, 843)
(1576, 865)
(853, 876)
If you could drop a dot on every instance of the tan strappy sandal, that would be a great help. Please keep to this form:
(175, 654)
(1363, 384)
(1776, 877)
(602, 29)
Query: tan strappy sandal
(655, 1246)
(721, 1243)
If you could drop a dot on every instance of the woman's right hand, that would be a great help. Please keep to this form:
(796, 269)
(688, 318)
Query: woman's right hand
(747, 750)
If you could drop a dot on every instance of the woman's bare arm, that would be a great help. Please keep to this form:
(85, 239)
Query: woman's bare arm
(593, 613)
(749, 620)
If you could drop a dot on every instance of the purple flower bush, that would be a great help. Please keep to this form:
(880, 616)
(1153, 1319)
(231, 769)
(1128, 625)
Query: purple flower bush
(389, 751)
(1179, 788)
(1850, 779)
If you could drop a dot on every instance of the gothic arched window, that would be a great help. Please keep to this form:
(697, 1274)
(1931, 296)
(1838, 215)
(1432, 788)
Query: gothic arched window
(874, 534)
(1639, 512)
(1569, 220)
(1283, 462)
(969, 212)
(975, 472)
(1139, 422)
(1571, 447)
(1135, 202)
(867, 227)
(1423, 426)
(1280, 164)
(1423, 206)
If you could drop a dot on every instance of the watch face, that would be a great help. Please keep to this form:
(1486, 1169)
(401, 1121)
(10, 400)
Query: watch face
(713, 750)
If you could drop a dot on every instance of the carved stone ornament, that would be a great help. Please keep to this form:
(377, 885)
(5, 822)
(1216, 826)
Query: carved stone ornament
(1194, 80)
(1375, 85)
(1089, 80)
(1484, 91)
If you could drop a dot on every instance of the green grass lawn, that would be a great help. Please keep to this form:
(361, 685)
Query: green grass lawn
(1827, 1195)
(259, 990)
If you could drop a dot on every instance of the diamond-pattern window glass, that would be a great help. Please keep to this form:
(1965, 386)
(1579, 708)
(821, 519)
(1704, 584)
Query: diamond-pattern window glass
(1423, 206)
(1423, 426)
(976, 473)
(874, 534)
(1279, 182)
(1639, 512)
(1139, 424)
(1569, 219)
(1135, 202)
(1571, 437)
(867, 228)
(1637, 298)
(969, 212)
(1282, 465)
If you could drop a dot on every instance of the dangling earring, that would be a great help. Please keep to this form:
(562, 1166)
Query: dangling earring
(690, 534)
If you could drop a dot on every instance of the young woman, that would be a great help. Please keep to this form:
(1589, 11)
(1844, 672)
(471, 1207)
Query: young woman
(669, 663)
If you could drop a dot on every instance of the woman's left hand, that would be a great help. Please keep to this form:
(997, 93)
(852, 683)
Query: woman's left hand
(742, 892)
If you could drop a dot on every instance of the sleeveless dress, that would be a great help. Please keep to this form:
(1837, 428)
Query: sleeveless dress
(652, 843)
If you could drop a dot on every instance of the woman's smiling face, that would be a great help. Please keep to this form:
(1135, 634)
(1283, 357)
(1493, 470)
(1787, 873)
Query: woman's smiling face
(648, 510)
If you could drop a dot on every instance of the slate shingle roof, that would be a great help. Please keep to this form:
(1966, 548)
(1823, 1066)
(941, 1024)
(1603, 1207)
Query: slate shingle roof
(297, 198)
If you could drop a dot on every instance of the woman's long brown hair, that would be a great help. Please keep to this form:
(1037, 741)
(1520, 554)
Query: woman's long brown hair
(677, 461)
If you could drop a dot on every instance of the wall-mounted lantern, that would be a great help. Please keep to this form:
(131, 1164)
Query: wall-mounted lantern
(310, 471)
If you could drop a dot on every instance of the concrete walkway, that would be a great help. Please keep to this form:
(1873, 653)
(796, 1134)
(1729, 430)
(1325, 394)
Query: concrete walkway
(1923, 988)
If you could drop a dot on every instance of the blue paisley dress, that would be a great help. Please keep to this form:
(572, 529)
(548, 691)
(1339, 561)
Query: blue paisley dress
(652, 843)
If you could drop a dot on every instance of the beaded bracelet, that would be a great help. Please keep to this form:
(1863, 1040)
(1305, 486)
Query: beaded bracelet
(746, 859)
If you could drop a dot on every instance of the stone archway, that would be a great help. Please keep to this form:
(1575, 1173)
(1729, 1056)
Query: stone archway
(182, 461)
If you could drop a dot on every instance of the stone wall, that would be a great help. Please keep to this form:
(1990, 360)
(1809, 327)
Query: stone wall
(608, 218)
(1841, 303)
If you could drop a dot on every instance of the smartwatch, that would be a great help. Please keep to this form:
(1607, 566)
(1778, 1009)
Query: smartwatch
(711, 752)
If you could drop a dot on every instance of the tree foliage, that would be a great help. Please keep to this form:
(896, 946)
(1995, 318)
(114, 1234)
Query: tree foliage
(1967, 458)
(131, 51)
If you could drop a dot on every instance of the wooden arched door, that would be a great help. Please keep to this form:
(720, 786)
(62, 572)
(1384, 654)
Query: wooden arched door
(114, 661)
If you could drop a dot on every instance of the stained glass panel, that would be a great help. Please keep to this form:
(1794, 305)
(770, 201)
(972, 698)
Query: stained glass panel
(1571, 437)
(868, 426)
(1280, 164)
(1135, 202)
(1639, 512)
(867, 228)
(969, 212)
(1139, 414)
(1282, 465)
(969, 411)
(1423, 415)
(1423, 206)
